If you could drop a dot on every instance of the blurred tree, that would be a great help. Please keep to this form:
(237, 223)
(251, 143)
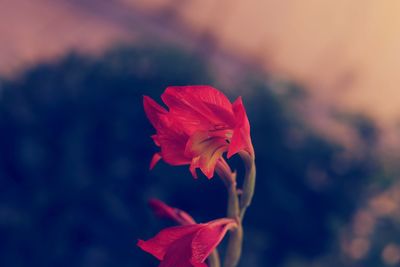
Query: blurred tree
(74, 154)
(306, 185)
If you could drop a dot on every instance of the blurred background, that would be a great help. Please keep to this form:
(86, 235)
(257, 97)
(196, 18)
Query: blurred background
(320, 84)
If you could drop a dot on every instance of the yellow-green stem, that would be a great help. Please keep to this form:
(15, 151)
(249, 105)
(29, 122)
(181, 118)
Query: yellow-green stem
(213, 259)
(236, 209)
(248, 183)
(234, 249)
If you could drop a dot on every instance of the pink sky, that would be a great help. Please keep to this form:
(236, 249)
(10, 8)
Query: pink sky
(345, 51)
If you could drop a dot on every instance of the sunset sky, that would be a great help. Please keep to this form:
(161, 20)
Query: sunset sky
(346, 52)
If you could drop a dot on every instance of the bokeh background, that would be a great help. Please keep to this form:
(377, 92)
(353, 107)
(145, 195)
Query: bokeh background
(319, 81)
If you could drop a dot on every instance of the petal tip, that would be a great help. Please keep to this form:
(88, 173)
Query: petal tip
(156, 158)
(140, 243)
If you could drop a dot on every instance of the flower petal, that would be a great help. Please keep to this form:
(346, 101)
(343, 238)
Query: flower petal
(156, 158)
(205, 151)
(169, 137)
(193, 166)
(241, 139)
(154, 112)
(189, 245)
(198, 107)
(159, 245)
(173, 148)
(164, 211)
(208, 237)
(178, 253)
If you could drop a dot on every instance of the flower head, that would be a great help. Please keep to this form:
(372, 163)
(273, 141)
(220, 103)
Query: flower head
(199, 126)
(187, 245)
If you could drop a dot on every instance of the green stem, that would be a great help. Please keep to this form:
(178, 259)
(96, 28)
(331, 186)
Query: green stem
(248, 183)
(236, 209)
(213, 259)
(234, 249)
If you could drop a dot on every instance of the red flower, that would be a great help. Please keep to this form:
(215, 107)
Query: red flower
(162, 210)
(188, 245)
(199, 126)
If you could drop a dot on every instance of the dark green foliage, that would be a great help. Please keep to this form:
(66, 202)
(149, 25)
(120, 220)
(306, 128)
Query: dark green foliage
(74, 154)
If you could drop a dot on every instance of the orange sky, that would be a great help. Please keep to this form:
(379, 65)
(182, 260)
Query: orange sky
(345, 51)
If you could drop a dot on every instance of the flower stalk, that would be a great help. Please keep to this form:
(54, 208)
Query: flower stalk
(236, 209)
(197, 127)
(213, 259)
(248, 183)
(234, 248)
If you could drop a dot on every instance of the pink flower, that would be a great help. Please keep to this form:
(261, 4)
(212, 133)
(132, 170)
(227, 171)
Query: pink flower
(162, 210)
(199, 126)
(187, 245)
